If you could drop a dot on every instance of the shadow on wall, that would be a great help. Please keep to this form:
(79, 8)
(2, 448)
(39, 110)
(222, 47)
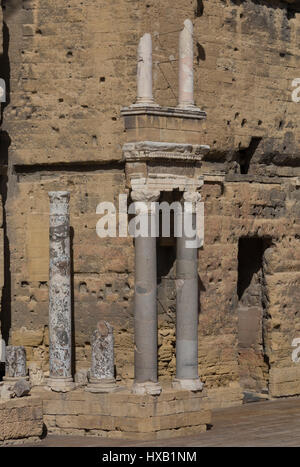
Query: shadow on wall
(5, 142)
(291, 6)
(10, 6)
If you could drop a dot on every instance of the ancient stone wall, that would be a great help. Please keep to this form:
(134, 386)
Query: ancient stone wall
(21, 420)
(2, 198)
(70, 66)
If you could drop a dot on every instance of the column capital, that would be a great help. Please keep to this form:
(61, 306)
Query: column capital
(59, 194)
(145, 195)
(59, 202)
(191, 196)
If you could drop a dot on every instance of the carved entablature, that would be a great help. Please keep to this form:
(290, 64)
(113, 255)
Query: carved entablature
(158, 110)
(166, 182)
(153, 150)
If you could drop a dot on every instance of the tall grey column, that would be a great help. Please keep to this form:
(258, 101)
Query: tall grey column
(102, 368)
(187, 300)
(186, 66)
(145, 301)
(15, 362)
(60, 377)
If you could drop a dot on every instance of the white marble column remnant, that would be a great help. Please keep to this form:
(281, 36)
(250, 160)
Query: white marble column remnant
(15, 362)
(144, 72)
(102, 368)
(187, 303)
(2, 350)
(60, 334)
(186, 66)
(145, 301)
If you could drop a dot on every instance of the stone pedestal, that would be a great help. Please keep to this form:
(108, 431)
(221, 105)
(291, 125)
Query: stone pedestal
(187, 302)
(125, 415)
(15, 363)
(60, 377)
(102, 367)
(145, 304)
(186, 72)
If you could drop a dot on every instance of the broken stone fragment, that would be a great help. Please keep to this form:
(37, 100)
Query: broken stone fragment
(15, 361)
(36, 375)
(21, 388)
(81, 377)
(5, 392)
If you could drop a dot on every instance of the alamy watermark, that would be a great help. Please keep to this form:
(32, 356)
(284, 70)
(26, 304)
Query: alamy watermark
(152, 219)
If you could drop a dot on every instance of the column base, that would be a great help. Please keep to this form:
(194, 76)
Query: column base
(61, 384)
(188, 107)
(153, 389)
(14, 379)
(144, 103)
(194, 385)
(102, 385)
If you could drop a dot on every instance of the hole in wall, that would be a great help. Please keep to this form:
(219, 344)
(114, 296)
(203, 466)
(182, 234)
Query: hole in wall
(200, 53)
(245, 155)
(199, 8)
(252, 315)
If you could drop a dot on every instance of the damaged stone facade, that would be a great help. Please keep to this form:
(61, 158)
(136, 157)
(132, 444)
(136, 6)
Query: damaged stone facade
(70, 65)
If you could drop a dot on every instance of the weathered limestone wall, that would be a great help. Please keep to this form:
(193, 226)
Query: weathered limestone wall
(20, 420)
(71, 65)
(2, 183)
(124, 415)
(268, 210)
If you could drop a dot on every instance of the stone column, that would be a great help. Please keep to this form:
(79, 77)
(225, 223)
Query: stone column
(144, 72)
(186, 66)
(15, 363)
(187, 303)
(145, 302)
(60, 377)
(2, 350)
(102, 368)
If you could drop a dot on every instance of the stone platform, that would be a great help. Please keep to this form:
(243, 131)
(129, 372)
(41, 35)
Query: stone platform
(21, 420)
(124, 415)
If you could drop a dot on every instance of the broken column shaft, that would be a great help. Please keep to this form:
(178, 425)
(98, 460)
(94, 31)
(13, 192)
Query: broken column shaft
(144, 71)
(15, 362)
(145, 303)
(187, 302)
(186, 66)
(102, 344)
(60, 377)
(102, 367)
